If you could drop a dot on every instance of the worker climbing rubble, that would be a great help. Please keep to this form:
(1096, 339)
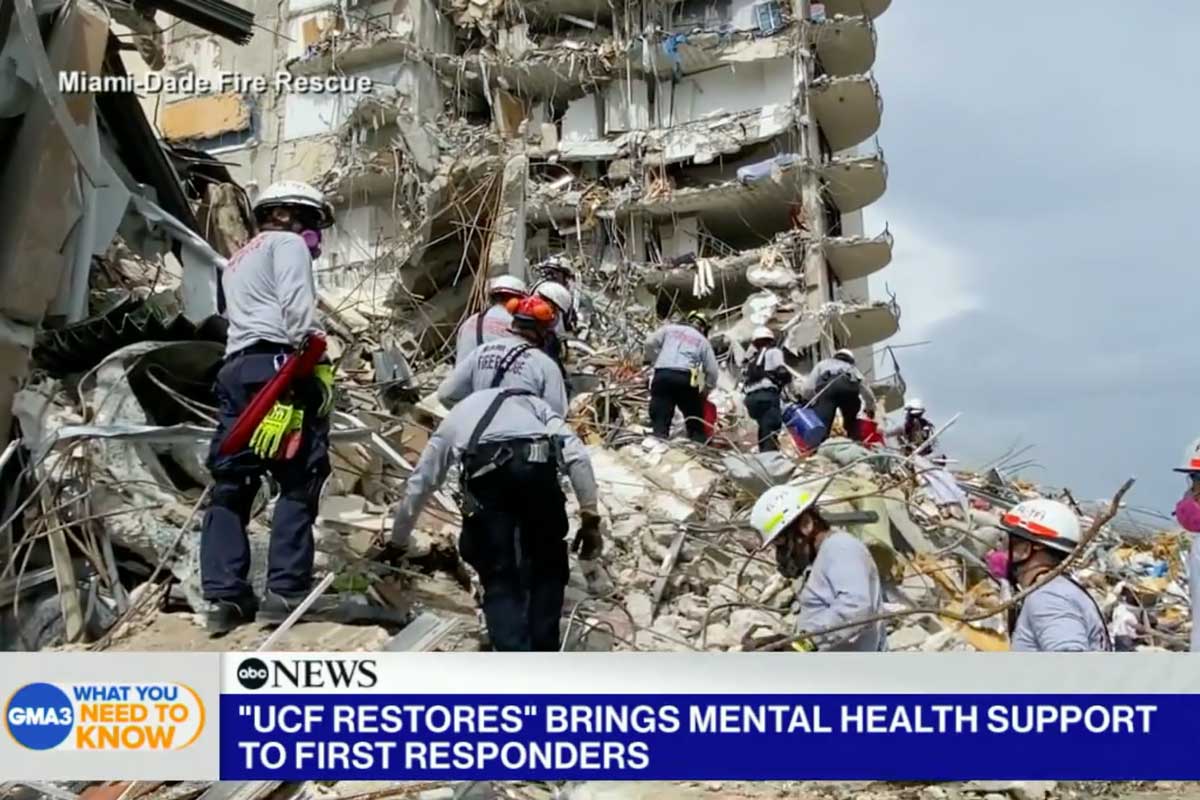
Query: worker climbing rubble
(510, 445)
(556, 271)
(493, 322)
(554, 343)
(834, 385)
(271, 309)
(1187, 514)
(1059, 616)
(513, 361)
(684, 372)
(843, 583)
(766, 377)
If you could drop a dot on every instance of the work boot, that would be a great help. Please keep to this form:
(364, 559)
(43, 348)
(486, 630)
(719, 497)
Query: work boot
(228, 613)
(278, 607)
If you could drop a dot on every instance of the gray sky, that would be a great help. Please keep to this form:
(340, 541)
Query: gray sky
(1043, 170)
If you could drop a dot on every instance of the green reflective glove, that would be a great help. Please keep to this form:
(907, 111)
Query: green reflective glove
(804, 646)
(274, 427)
(324, 375)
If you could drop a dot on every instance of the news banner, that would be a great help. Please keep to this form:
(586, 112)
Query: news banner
(572, 716)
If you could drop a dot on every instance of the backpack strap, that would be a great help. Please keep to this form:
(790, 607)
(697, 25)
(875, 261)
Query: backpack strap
(479, 326)
(489, 415)
(510, 358)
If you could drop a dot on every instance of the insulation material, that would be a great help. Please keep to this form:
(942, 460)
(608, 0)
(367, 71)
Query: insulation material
(204, 117)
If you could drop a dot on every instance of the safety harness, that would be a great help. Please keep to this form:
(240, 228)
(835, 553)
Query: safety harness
(470, 457)
(510, 358)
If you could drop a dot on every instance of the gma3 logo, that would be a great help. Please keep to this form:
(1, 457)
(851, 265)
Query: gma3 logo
(104, 716)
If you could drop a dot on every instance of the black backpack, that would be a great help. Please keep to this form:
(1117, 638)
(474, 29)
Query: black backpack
(756, 369)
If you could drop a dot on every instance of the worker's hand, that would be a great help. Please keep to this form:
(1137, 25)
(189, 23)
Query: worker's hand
(589, 542)
(324, 375)
(804, 646)
(276, 425)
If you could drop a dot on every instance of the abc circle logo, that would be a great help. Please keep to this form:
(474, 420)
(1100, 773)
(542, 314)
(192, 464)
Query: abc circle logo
(252, 673)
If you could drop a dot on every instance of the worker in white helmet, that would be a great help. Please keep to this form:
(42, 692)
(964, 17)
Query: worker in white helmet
(914, 430)
(271, 307)
(843, 583)
(1059, 616)
(1187, 513)
(563, 299)
(834, 385)
(557, 270)
(493, 322)
(765, 378)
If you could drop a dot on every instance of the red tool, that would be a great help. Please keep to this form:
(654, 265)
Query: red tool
(297, 365)
(710, 419)
(868, 432)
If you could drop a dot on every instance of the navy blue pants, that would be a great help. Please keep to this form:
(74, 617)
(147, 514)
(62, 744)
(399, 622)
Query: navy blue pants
(224, 549)
(763, 407)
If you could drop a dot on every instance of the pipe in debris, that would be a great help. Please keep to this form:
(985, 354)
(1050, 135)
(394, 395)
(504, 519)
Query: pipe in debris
(316, 592)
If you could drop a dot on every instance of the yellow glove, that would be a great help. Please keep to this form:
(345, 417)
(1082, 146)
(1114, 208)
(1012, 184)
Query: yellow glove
(274, 427)
(804, 646)
(324, 375)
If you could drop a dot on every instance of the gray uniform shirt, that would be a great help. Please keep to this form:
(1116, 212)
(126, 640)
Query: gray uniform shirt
(772, 360)
(1059, 617)
(842, 586)
(521, 417)
(677, 346)
(270, 295)
(532, 370)
(830, 368)
(496, 324)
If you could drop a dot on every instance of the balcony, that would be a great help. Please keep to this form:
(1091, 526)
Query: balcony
(848, 110)
(863, 326)
(845, 45)
(856, 8)
(854, 257)
(855, 182)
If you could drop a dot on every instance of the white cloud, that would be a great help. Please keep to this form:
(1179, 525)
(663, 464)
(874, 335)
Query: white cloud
(931, 277)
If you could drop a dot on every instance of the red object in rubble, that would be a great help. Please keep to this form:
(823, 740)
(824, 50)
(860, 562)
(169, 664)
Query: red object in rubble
(868, 432)
(710, 419)
(297, 365)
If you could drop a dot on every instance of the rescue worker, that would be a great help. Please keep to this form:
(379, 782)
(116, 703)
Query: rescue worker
(561, 298)
(685, 371)
(843, 583)
(766, 377)
(1187, 513)
(515, 360)
(834, 385)
(510, 445)
(491, 323)
(1059, 616)
(557, 270)
(270, 307)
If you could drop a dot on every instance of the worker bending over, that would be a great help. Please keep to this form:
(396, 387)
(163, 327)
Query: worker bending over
(510, 445)
(1059, 616)
(1187, 513)
(514, 361)
(834, 385)
(766, 377)
(493, 322)
(842, 586)
(271, 307)
(685, 371)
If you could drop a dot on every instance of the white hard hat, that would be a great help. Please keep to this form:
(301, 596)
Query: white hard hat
(295, 193)
(1191, 458)
(777, 508)
(556, 262)
(556, 293)
(507, 285)
(762, 332)
(1044, 522)
(915, 405)
(845, 355)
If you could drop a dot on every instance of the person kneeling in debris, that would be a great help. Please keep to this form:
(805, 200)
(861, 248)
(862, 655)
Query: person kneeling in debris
(843, 584)
(685, 371)
(491, 323)
(1187, 514)
(510, 445)
(515, 361)
(1059, 616)
(834, 385)
(271, 308)
(766, 377)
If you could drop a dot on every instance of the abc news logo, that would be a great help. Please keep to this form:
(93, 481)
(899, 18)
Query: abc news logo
(254, 673)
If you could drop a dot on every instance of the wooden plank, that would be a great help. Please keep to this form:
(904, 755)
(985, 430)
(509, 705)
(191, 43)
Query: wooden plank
(664, 573)
(68, 589)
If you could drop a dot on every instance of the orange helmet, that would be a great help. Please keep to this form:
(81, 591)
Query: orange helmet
(532, 312)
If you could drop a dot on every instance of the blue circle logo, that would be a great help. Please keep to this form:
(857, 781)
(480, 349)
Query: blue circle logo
(39, 716)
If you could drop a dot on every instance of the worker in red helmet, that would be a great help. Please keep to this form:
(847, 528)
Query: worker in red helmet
(515, 360)
(492, 322)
